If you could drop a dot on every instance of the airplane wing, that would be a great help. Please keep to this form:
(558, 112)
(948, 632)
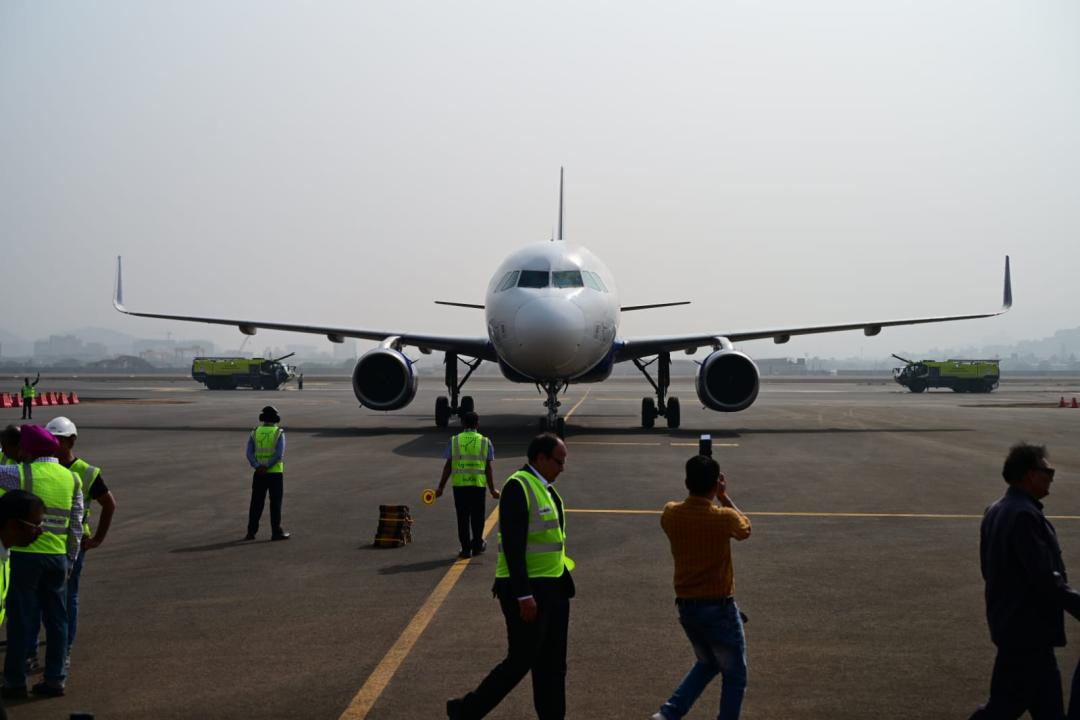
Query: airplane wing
(474, 347)
(644, 347)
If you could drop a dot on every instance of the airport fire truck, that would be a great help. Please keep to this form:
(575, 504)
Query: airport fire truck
(230, 373)
(957, 375)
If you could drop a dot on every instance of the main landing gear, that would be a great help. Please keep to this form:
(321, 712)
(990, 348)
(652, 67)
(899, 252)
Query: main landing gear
(552, 422)
(663, 405)
(445, 407)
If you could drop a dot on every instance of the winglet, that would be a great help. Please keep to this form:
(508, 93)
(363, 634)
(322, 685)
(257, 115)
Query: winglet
(1007, 300)
(118, 296)
(560, 202)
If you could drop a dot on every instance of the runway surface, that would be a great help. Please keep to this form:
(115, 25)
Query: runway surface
(861, 578)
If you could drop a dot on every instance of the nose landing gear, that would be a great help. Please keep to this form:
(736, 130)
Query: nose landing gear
(445, 408)
(552, 422)
(663, 406)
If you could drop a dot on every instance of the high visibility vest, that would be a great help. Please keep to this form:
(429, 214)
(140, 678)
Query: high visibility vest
(56, 486)
(545, 545)
(468, 459)
(29, 392)
(5, 460)
(265, 438)
(88, 474)
(5, 581)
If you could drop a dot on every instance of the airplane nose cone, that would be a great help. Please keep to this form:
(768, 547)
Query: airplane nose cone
(549, 332)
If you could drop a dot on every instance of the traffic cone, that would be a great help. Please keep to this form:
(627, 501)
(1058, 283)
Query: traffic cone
(1075, 404)
(5, 402)
(74, 398)
(61, 399)
(1061, 402)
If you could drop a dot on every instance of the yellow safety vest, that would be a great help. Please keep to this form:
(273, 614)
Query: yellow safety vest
(56, 486)
(545, 545)
(468, 459)
(5, 460)
(88, 474)
(266, 437)
(5, 581)
(29, 392)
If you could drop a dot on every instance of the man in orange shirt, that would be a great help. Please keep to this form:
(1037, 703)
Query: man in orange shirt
(700, 534)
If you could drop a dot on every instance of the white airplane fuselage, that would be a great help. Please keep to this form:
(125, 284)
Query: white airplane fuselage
(552, 311)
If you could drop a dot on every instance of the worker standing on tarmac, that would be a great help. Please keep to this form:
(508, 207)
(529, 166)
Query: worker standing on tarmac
(39, 571)
(468, 459)
(94, 488)
(22, 517)
(266, 453)
(29, 392)
(9, 445)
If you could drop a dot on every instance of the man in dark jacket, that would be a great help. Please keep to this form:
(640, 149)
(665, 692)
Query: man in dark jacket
(1026, 592)
(534, 587)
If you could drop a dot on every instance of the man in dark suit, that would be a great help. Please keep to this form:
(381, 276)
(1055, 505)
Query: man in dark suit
(534, 587)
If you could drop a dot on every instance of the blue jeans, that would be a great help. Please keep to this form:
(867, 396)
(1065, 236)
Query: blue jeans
(37, 592)
(715, 631)
(72, 609)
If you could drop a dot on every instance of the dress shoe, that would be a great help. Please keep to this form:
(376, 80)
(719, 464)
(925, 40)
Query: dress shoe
(453, 709)
(281, 536)
(249, 536)
(48, 689)
(479, 548)
(13, 693)
(465, 554)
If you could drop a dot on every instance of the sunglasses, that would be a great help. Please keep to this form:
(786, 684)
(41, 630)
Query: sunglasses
(1049, 471)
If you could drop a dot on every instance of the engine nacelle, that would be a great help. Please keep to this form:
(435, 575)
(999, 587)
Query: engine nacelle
(727, 381)
(384, 379)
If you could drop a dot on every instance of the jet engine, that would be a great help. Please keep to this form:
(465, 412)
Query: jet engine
(383, 379)
(727, 381)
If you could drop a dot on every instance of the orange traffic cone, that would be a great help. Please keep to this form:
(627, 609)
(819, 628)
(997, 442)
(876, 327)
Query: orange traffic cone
(1075, 404)
(1061, 402)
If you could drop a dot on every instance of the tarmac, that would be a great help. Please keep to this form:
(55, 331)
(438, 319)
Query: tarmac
(861, 578)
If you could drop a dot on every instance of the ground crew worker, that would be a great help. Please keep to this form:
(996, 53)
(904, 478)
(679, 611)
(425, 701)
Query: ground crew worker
(9, 445)
(94, 488)
(265, 453)
(29, 392)
(468, 460)
(21, 520)
(39, 571)
(534, 587)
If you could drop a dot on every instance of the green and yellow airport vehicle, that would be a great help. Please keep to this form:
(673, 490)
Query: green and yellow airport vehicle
(229, 373)
(957, 375)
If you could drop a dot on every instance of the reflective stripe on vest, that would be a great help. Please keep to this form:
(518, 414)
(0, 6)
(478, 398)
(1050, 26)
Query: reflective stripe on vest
(266, 438)
(56, 486)
(5, 582)
(468, 459)
(88, 474)
(29, 392)
(545, 544)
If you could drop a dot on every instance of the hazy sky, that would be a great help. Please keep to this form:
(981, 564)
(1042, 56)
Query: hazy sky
(347, 163)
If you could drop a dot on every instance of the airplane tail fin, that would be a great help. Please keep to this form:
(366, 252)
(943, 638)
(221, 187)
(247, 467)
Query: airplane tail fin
(560, 237)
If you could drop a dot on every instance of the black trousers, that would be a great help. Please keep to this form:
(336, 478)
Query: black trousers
(470, 505)
(274, 483)
(1024, 680)
(539, 647)
(27, 409)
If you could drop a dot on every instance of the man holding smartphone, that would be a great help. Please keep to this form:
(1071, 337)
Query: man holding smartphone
(700, 534)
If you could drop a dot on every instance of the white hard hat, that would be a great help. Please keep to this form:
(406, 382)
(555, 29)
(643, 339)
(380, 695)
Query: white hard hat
(61, 427)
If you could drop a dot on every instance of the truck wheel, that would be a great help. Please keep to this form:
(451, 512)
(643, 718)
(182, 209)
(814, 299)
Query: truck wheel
(916, 387)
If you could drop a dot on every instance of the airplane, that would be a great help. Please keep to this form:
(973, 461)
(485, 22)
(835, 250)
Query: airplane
(552, 312)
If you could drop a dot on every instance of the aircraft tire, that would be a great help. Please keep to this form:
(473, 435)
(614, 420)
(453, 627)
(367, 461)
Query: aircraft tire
(674, 413)
(648, 412)
(442, 411)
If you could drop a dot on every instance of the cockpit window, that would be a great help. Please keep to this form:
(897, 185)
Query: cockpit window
(593, 280)
(533, 279)
(566, 279)
(509, 280)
